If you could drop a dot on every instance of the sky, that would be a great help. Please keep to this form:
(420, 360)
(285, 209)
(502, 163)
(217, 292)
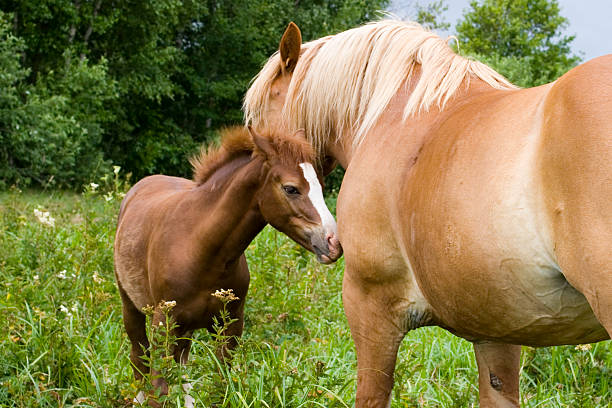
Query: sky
(589, 20)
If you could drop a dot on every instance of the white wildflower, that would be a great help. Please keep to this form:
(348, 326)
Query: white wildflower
(36, 278)
(225, 295)
(167, 305)
(116, 169)
(44, 217)
(62, 274)
(108, 197)
(93, 186)
(97, 278)
(65, 310)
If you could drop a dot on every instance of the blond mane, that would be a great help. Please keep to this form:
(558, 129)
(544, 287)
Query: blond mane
(343, 83)
(237, 141)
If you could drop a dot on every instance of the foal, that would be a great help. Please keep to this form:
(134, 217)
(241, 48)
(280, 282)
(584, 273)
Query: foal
(181, 240)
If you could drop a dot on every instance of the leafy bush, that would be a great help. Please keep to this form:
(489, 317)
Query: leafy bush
(50, 131)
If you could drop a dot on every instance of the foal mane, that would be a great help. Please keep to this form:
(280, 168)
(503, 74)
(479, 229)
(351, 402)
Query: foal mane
(343, 83)
(237, 141)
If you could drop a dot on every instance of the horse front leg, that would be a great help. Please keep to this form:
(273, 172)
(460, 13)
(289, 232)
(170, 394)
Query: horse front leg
(498, 374)
(377, 320)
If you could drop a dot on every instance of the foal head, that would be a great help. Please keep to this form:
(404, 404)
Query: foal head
(290, 197)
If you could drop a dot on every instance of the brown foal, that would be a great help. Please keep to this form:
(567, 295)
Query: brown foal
(181, 240)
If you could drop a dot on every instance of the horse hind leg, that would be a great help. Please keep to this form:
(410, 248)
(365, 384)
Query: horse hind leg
(586, 266)
(583, 248)
(576, 173)
(498, 374)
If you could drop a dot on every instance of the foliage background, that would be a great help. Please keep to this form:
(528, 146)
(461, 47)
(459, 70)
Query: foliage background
(92, 83)
(139, 84)
(522, 39)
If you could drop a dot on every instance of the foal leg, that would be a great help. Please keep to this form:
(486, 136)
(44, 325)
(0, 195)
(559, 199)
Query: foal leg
(135, 326)
(377, 321)
(181, 356)
(232, 332)
(157, 380)
(498, 374)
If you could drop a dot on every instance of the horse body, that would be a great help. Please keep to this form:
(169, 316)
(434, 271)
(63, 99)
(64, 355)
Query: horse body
(181, 240)
(488, 215)
(463, 227)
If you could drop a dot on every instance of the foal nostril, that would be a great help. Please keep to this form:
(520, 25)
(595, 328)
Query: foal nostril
(332, 241)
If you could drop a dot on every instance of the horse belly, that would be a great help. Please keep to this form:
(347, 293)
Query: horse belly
(532, 303)
(485, 260)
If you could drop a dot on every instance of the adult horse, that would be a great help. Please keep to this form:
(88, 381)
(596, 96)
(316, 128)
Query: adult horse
(467, 203)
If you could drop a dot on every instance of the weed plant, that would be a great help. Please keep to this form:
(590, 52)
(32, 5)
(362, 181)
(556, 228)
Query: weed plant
(63, 342)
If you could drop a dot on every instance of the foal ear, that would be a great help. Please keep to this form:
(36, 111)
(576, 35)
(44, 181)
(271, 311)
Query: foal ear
(262, 144)
(300, 133)
(289, 47)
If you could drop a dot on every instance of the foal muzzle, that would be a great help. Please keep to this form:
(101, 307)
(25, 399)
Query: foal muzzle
(326, 246)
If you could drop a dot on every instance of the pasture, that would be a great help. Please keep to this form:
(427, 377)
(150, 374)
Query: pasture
(63, 343)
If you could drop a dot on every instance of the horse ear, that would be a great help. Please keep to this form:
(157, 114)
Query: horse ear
(289, 47)
(262, 144)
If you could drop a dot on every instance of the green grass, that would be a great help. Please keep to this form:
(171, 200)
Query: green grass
(63, 344)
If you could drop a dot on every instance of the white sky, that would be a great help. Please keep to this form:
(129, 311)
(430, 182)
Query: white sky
(589, 20)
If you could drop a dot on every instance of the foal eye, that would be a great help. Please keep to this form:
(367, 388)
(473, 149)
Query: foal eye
(291, 190)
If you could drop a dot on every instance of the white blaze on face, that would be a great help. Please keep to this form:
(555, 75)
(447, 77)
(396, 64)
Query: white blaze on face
(315, 194)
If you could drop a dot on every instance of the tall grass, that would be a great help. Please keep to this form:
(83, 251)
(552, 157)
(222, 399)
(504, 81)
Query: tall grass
(63, 343)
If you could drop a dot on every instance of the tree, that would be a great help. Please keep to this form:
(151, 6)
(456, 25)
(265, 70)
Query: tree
(430, 15)
(48, 128)
(521, 38)
(163, 75)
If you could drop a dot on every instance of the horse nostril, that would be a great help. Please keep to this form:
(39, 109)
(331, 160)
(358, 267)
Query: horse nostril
(332, 241)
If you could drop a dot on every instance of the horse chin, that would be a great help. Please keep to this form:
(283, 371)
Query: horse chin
(324, 259)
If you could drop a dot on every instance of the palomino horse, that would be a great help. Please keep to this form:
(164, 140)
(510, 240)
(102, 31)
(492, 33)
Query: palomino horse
(181, 240)
(467, 203)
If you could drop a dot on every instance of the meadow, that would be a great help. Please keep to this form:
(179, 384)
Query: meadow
(63, 343)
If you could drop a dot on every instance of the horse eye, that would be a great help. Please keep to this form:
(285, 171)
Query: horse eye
(291, 190)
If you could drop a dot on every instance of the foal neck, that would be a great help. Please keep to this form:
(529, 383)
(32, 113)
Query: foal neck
(230, 215)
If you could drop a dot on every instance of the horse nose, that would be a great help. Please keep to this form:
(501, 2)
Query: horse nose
(333, 245)
(325, 245)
